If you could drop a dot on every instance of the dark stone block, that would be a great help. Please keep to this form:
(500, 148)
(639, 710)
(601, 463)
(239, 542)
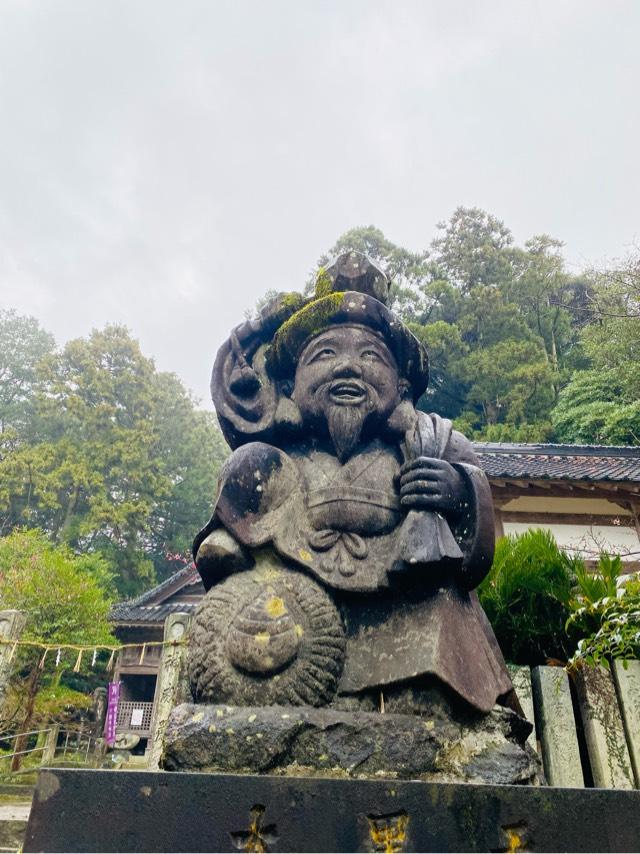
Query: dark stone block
(140, 811)
(326, 742)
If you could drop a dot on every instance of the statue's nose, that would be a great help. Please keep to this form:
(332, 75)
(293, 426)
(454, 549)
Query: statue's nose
(347, 367)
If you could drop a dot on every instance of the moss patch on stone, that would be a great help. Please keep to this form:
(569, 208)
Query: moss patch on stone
(312, 319)
(324, 283)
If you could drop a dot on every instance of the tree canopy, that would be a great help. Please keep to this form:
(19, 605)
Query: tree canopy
(105, 454)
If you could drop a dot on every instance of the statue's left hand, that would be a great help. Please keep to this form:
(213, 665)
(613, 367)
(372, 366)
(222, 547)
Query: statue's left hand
(427, 483)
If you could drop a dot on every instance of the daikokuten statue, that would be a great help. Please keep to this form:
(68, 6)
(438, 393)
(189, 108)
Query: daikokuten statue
(350, 528)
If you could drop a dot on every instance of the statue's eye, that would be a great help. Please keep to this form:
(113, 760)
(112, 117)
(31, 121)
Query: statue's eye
(325, 353)
(370, 354)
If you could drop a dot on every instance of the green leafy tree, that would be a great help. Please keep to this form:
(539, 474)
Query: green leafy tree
(546, 297)
(192, 448)
(23, 345)
(94, 477)
(601, 404)
(447, 392)
(118, 461)
(597, 408)
(474, 248)
(66, 601)
(509, 382)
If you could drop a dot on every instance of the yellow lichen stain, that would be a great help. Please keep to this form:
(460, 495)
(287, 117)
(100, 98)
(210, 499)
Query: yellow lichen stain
(262, 638)
(252, 718)
(305, 555)
(388, 833)
(197, 717)
(429, 725)
(275, 607)
(514, 840)
(220, 713)
(213, 728)
(265, 570)
(255, 838)
(229, 731)
(299, 630)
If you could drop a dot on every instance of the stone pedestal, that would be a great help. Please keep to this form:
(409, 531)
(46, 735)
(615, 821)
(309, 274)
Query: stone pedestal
(79, 810)
(329, 743)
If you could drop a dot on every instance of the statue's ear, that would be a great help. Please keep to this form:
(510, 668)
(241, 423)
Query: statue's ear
(402, 419)
(404, 389)
(287, 412)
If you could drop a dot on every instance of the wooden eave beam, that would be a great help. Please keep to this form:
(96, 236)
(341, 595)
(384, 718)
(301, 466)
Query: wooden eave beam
(506, 489)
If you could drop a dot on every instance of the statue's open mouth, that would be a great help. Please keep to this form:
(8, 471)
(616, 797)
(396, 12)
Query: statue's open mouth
(347, 391)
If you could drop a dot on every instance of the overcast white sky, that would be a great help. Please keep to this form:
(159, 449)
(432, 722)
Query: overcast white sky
(163, 163)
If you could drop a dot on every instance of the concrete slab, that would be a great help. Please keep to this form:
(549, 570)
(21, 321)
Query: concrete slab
(556, 727)
(628, 687)
(603, 729)
(14, 812)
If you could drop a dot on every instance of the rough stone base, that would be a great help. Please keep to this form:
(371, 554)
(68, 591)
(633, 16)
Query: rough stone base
(324, 742)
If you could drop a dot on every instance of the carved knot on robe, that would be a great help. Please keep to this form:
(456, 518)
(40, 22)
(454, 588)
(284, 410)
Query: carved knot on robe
(338, 545)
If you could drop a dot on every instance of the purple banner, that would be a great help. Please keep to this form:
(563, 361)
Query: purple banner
(113, 696)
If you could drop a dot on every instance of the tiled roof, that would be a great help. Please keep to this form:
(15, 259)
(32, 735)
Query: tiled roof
(149, 607)
(127, 612)
(184, 576)
(559, 462)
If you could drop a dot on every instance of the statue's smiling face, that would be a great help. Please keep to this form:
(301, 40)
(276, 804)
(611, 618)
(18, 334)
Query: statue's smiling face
(343, 377)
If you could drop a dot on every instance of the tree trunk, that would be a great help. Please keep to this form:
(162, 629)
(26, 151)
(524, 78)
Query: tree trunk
(21, 741)
(554, 363)
(71, 506)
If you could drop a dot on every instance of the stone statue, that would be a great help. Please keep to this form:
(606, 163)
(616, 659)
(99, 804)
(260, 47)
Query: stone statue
(350, 528)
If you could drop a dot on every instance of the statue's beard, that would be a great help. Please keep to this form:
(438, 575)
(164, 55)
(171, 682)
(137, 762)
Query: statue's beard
(346, 422)
(345, 425)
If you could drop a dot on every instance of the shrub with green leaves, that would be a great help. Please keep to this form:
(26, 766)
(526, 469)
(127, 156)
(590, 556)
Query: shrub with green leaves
(606, 615)
(526, 596)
